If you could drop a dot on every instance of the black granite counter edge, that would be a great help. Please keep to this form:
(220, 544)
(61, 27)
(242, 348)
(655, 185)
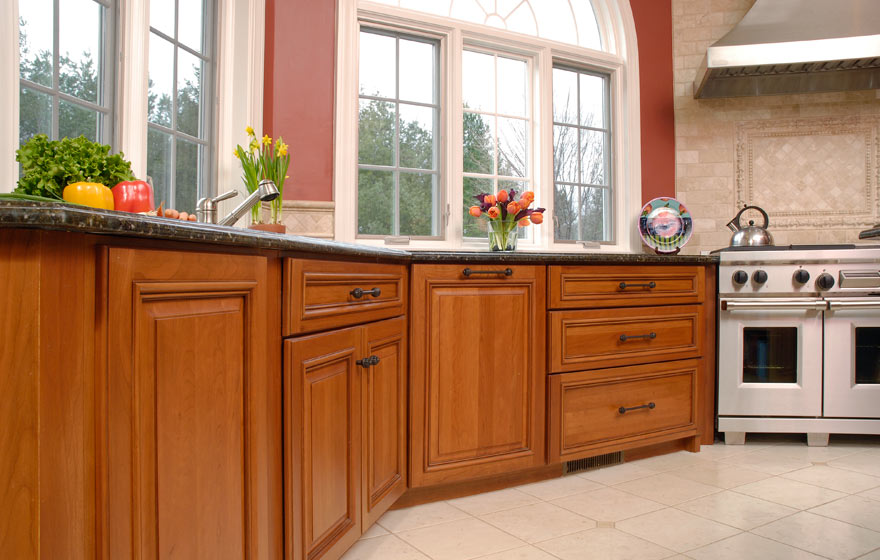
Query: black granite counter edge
(64, 217)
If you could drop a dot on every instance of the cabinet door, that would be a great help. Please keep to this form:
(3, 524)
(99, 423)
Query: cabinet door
(186, 383)
(383, 398)
(478, 378)
(322, 443)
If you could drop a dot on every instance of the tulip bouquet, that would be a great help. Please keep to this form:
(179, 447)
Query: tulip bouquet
(261, 161)
(505, 214)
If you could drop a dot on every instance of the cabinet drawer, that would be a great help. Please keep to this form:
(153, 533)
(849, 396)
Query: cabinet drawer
(320, 295)
(624, 286)
(585, 408)
(588, 339)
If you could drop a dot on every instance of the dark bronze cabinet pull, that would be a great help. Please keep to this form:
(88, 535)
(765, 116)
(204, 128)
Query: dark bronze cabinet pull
(358, 293)
(624, 338)
(507, 272)
(649, 285)
(623, 409)
(368, 361)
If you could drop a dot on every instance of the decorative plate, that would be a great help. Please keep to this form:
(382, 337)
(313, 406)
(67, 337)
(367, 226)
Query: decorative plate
(665, 225)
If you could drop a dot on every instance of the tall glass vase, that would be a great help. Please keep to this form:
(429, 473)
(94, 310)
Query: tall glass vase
(502, 235)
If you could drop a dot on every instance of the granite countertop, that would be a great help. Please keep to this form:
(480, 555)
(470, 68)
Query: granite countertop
(65, 217)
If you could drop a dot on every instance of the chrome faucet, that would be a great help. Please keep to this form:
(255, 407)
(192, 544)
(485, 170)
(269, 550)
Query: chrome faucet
(206, 208)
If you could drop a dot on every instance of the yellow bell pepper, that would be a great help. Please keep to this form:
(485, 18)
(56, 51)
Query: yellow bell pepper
(95, 195)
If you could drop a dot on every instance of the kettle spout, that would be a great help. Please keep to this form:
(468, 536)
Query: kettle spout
(733, 225)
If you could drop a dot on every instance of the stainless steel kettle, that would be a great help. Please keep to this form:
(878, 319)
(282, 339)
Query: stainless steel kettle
(751, 236)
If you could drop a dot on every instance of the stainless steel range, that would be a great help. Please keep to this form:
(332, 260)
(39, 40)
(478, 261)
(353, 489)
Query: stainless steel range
(799, 341)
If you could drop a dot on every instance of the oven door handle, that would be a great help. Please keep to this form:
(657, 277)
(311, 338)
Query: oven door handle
(854, 304)
(817, 305)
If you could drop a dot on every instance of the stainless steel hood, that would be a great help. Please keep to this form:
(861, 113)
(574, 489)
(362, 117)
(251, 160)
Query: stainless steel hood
(795, 46)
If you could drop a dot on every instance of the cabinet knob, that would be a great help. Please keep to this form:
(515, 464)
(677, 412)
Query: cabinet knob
(368, 362)
(358, 293)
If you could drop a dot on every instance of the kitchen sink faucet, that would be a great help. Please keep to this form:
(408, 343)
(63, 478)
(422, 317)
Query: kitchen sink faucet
(206, 208)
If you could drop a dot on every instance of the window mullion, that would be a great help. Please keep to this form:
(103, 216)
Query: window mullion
(56, 67)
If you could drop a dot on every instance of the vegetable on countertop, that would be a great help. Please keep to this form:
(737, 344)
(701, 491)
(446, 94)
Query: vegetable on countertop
(50, 165)
(95, 195)
(133, 196)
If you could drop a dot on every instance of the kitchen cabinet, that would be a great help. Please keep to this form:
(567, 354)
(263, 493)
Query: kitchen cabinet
(186, 388)
(477, 371)
(345, 434)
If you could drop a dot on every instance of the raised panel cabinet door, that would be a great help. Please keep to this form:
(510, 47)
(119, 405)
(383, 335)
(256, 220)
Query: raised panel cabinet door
(186, 378)
(322, 443)
(383, 398)
(477, 371)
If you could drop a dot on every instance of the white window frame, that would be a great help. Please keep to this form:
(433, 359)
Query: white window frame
(620, 61)
(237, 100)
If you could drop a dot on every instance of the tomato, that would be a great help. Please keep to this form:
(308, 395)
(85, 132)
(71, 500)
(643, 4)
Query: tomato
(133, 196)
(95, 195)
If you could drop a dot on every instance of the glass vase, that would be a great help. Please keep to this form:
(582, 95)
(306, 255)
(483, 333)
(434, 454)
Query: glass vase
(502, 235)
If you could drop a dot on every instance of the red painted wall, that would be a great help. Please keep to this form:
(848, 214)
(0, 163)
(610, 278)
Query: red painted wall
(299, 92)
(300, 63)
(653, 19)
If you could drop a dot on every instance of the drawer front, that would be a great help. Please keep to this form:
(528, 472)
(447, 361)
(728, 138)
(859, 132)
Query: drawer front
(598, 338)
(624, 286)
(320, 295)
(586, 415)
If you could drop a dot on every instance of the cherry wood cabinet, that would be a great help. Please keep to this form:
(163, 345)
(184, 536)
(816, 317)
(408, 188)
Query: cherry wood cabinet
(477, 371)
(187, 383)
(345, 434)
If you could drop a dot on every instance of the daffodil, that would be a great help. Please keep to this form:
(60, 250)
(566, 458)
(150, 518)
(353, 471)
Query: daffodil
(254, 145)
(249, 130)
(282, 148)
(266, 140)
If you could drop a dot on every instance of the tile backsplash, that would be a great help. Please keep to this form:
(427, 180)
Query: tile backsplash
(810, 160)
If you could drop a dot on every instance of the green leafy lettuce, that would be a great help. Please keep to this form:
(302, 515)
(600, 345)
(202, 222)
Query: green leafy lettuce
(50, 165)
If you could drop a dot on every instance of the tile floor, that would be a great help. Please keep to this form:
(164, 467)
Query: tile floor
(773, 498)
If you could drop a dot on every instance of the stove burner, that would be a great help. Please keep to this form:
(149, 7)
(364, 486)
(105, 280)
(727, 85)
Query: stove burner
(788, 248)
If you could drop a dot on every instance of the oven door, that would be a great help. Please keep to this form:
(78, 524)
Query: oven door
(852, 358)
(770, 357)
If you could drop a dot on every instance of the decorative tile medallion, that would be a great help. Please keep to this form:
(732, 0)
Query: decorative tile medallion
(810, 172)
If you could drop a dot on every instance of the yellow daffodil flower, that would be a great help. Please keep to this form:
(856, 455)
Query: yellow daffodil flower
(282, 149)
(249, 130)
(266, 140)
(254, 145)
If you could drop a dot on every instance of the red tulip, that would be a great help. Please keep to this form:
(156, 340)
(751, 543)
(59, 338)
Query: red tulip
(537, 218)
(523, 222)
(501, 196)
(489, 199)
(493, 212)
(475, 211)
(513, 208)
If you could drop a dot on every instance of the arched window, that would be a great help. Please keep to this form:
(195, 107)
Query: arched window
(441, 100)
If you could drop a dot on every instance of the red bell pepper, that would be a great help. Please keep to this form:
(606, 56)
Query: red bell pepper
(133, 196)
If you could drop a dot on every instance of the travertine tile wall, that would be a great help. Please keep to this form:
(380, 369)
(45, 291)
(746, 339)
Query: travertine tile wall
(810, 160)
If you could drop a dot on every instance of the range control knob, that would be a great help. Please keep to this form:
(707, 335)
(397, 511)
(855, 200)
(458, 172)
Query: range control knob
(759, 277)
(825, 281)
(801, 276)
(740, 277)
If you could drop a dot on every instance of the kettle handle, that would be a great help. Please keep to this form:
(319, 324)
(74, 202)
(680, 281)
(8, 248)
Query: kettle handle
(746, 207)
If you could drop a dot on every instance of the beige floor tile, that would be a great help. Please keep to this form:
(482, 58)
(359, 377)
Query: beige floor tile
(873, 493)
(602, 544)
(667, 489)
(771, 460)
(493, 501)
(841, 480)
(670, 461)
(790, 493)
(748, 546)
(538, 522)
(741, 511)
(460, 540)
(385, 547)
(617, 474)
(718, 474)
(559, 487)
(721, 450)
(866, 462)
(820, 454)
(420, 516)
(820, 535)
(857, 510)
(608, 504)
(524, 553)
(871, 555)
(375, 531)
(676, 530)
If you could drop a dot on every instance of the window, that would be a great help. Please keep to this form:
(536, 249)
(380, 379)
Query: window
(398, 120)
(529, 95)
(582, 197)
(65, 86)
(179, 119)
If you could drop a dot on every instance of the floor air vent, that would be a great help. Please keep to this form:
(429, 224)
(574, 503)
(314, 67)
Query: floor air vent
(596, 462)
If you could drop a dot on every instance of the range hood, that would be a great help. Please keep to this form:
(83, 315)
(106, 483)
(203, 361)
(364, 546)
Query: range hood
(795, 46)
